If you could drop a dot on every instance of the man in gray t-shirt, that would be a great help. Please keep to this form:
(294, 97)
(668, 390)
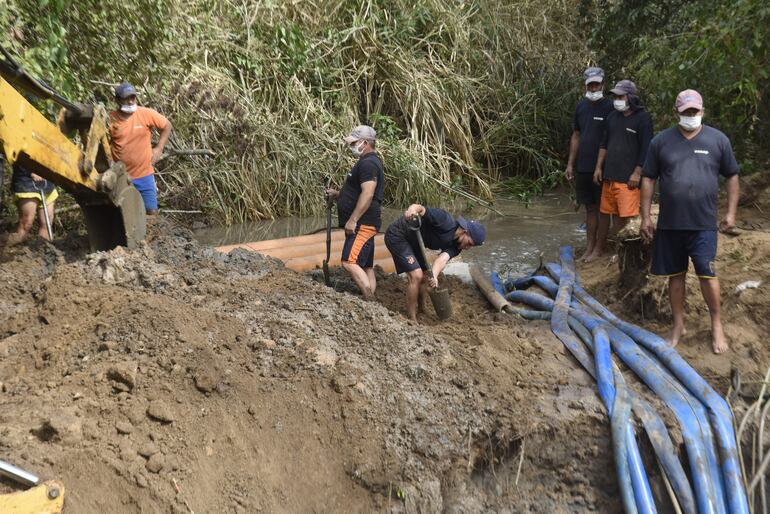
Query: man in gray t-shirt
(687, 160)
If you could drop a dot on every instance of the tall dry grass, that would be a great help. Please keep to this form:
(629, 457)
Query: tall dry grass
(462, 94)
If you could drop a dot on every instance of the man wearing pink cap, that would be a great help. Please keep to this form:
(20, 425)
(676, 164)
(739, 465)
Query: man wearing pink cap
(687, 160)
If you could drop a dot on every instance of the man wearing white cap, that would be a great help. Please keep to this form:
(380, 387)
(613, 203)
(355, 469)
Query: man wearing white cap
(359, 208)
(687, 160)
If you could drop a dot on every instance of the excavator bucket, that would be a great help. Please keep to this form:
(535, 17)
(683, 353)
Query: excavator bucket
(117, 216)
(113, 209)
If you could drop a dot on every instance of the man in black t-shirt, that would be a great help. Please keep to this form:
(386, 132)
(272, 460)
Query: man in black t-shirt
(359, 208)
(687, 160)
(440, 231)
(627, 135)
(587, 130)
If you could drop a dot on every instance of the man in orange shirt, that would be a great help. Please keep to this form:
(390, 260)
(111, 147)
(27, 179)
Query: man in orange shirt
(131, 133)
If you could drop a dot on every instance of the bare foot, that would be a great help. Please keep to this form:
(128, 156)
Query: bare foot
(594, 255)
(718, 342)
(676, 335)
(585, 255)
(15, 238)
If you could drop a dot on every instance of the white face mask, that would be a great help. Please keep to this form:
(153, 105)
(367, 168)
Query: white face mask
(690, 123)
(128, 108)
(594, 96)
(357, 151)
(620, 105)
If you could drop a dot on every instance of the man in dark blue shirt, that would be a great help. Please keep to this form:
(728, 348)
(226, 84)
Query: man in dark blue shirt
(440, 231)
(587, 130)
(627, 135)
(359, 208)
(687, 160)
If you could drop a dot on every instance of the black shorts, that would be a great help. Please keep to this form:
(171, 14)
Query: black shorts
(405, 257)
(671, 250)
(586, 191)
(359, 247)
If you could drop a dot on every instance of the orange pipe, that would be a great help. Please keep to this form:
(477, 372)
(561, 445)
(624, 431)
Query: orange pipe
(304, 253)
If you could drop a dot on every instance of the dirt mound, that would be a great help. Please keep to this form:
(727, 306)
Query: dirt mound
(176, 379)
(623, 283)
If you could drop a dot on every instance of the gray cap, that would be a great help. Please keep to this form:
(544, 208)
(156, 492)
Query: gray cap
(593, 74)
(624, 87)
(124, 90)
(361, 132)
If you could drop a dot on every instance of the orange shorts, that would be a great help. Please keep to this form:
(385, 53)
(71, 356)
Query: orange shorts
(618, 199)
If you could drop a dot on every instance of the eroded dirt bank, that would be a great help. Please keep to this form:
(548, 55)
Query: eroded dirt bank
(176, 379)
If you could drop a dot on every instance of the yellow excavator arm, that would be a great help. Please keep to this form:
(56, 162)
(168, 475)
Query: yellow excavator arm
(113, 209)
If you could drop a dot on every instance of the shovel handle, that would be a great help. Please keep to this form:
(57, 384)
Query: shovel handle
(421, 243)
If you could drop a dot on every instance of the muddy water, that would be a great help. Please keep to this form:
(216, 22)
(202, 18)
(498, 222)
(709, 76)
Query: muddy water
(515, 239)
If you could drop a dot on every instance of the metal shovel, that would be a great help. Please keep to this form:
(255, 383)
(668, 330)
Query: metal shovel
(41, 190)
(329, 205)
(438, 297)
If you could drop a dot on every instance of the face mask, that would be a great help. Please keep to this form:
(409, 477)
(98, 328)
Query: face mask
(356, 150)
(594, 96)
(690, 123)
(620, 105)
(128, 108)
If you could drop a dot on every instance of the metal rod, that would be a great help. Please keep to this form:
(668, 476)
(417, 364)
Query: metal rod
(17, 474)
(45, 212)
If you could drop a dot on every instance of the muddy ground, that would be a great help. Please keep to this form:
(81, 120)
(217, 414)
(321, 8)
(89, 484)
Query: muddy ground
(176, 379)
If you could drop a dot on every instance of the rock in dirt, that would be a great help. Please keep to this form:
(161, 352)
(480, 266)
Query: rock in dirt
(207, 379)
(123, 373)
(124, 427)
(61, 427)
(159, 411)
(148, 449)
(156, 463)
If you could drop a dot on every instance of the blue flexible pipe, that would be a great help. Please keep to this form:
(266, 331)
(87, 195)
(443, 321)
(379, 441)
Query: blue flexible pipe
(653, 424)
(719, 412)
(495, 279)
(697, 407)
(656, 431)
(635, 489)
(647, 370)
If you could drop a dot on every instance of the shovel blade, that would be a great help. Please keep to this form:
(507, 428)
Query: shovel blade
(441, 303)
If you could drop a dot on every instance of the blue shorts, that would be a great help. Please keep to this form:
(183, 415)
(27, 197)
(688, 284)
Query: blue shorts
(146, 188)
(405, 257)
(671, 250)
(359, 247)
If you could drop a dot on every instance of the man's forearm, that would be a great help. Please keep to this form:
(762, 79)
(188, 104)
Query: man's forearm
(733, 187)
(600, 158)
(440, 263)
(363, 203)
(648, 186)
(573, 146)
(164, 135)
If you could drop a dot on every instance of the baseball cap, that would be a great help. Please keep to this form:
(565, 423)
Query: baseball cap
(474, 229)
(624, 87)
(593, 74)
(361, 132)
(124, 90)
(688, 99)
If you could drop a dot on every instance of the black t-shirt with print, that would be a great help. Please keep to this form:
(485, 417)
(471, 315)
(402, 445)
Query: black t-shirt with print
(626, 139)
(688, 175)
(589, 121)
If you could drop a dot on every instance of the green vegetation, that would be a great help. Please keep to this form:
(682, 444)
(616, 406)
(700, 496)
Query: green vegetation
(463, 93)
(474, 95)
(719, 47)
